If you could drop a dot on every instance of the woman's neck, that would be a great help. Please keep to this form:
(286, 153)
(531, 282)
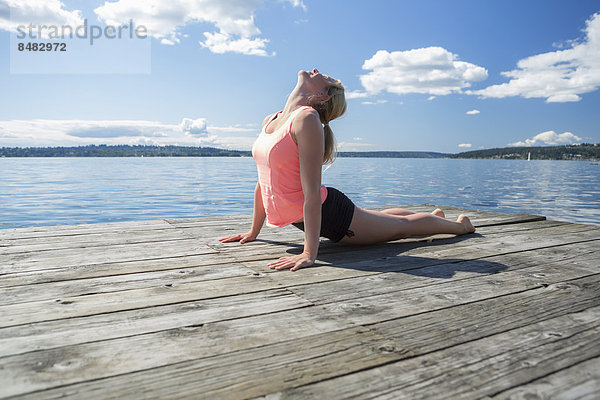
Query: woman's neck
(296, 99)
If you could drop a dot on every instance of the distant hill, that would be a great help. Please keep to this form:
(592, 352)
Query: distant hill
(590, 152)
(586, 151)
(120, 151)
(176, 151)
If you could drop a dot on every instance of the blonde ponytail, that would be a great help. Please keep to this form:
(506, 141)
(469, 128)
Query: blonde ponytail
(330, 150)
(329, 110)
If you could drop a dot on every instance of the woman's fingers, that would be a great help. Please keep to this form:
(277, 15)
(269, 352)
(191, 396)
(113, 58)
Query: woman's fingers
(293, 263)
(246, 239)
(241, 237)
(230, 238)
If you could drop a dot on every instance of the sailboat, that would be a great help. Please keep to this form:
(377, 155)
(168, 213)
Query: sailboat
(529, 156)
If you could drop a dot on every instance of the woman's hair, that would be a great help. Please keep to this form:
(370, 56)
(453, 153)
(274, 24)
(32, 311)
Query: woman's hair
(329, 110)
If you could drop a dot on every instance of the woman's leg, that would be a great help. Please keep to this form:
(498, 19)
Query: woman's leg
(375, 226)
(402, 211)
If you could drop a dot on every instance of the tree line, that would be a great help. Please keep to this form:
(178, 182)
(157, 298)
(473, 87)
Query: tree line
(586, 151)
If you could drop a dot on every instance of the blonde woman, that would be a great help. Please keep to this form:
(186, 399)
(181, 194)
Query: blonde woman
(289, 153)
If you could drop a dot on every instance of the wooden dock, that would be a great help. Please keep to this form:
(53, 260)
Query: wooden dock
(162, 310)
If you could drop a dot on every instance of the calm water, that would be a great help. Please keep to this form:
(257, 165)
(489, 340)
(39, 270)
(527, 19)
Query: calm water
(53, 191)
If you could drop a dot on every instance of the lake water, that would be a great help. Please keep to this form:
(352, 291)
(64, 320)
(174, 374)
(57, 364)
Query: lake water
(56, 191)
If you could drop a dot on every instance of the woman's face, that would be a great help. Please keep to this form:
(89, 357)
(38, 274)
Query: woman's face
(316, 80)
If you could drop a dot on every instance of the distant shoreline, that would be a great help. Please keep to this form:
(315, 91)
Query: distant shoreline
(583, 152)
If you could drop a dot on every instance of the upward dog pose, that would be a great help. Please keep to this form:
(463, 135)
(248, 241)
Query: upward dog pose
(293, 145)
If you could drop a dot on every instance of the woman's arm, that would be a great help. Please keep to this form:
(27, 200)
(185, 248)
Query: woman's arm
(309, 136)
(258, 219)
(259, 215)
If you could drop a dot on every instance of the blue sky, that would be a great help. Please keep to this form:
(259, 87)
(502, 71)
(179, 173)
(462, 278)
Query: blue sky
(442, 76)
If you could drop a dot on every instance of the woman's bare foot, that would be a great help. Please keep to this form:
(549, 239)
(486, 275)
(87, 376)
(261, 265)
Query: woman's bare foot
(463, 219)
(438, 213)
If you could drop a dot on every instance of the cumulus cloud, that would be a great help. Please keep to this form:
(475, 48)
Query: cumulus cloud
(233, 19)
(431, 70)
(473, 112)
(189, 132)
(465, 145)
(221, 43)
(549, 138)
(24, 12)
(558, 76)
(193, 126)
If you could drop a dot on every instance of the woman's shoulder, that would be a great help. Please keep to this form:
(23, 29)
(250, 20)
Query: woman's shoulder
(306, 124)
(307, 115)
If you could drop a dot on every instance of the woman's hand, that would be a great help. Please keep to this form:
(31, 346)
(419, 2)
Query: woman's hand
(293, 262)
(239, 237)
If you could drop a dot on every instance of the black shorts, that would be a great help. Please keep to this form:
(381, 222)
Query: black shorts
(336, 215)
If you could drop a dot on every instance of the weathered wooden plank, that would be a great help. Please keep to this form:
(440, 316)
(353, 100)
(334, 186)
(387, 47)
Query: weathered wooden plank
(208, 264)
(242, 374)
(475, 369)
(82, 229)
(581, 381)
(260, 370)
(12, 246)
(42, 260)
(169, 293)
(118, 283)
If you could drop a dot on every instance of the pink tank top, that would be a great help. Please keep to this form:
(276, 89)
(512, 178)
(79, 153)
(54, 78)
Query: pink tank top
(278, 165)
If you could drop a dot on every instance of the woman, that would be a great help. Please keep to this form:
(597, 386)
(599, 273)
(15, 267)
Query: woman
(289, 152)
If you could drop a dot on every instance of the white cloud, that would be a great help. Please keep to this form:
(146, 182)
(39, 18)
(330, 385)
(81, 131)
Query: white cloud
(296, 3)
(431, 70)
(189, 132)
(473, 112)
(220, 43)
(193, 126)
(380, 101)
(559, 76)
(430, 98)
(356, 94)
(233, 19)
(48, 12)
(465, 145)
(549, 138)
